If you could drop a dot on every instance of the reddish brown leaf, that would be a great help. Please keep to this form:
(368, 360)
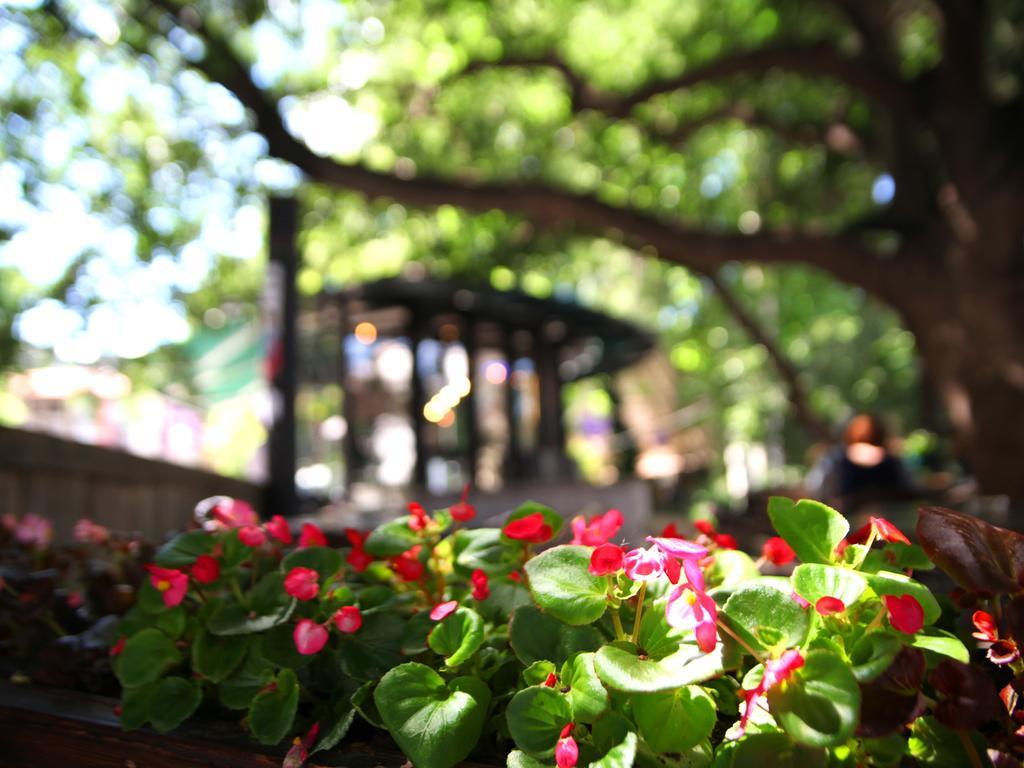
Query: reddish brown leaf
(980, 557)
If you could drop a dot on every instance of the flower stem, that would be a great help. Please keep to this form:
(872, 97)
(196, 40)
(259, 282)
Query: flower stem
(972, 753)
(639, 610)
(237, 591)
(620, 633)
(876, 622)
(725, 628)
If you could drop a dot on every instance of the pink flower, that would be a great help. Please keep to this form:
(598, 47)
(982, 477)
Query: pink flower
(481, 585)
(251, 536)
(650, 564)
(75, 600)
(299, 751)
(348, 619)
(462, 510)
(205, 569)
(566, 750)
(441, 610)
(309, 637)
(905, 613)
(171, 583)
(358, 558)
(116, 648)
(311, 536)
(799, 600)
(301, 583)
(418, 516)
(690, 607)
(777, 551)
(599, 530)
(680, 548)
(223, 512)
(278, 528)
(605, 559)
(88, 532)
(828, 605)
(531, 528)
(34, 530)
(550, 681)
(775, 671)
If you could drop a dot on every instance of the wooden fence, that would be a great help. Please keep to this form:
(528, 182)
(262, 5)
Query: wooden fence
(65, 481)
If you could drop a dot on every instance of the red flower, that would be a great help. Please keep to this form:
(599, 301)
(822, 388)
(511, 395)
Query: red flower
(311, 536)
(75, 600)
(418, 520)
(566, 750)
(888, 531)
(985, 625)
(358, 558)
(651, 564)
(309, 637)
(599, 530)
(607, 558)
(706, 528)
(462, 510)
(441, 610)
(252, 536)
(481, 585)
(550, 680)
(826, 606)
(999, 651)
(348, 619)
(407, 565)
(170, 582)
(116, 648)
(905, 613)
(777, 551)
(227, 512)
(206, 569)
(515, 576)
(670, 532)
(301, 583)
(725, 540)
(278, 528)
(531, 528)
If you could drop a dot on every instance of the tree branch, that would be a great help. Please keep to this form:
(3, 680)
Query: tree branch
(818, 429)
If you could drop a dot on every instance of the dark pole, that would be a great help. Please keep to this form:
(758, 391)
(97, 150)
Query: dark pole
(514, 462)
(469, 402)
(552, 435)
(417, 400)
(350, 449)
(281, 306)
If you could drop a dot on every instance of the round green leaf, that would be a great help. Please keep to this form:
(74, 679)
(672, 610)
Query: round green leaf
(233, 618)
(457, 636)
(586, 694)
(563, 586)
(537, 672)
(730, 568)
(943, 643)
(375, 648)
(621, 666)
(615, 740)
(145, 656)
(675, 721)
(485, 549)
(183, 549)
(334, 725)
(820, 704)
(527, 508)
(536, 717)
(326, 562)
(174, 700)
(519, 759)
(897, 584)
(135, 706)
(392, 538)
(872, 654)
(767, 615)
(535, 636)
(362, 700)
(216, 656)
(272, 711)
(436, 725)
(813, 581)
(239, 689)
(756, 750)
(812, 529)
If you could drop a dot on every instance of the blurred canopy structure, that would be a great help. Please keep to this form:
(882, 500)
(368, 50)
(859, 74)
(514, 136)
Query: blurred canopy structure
(873, 139)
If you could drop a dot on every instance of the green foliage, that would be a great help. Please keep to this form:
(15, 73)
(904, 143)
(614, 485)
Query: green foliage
(812, 529)
(561, 585)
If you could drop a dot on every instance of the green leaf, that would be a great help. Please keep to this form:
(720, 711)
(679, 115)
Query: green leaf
(620, 666)
(392, 538)
(334, 726)
(145, 657)
(505, 598)
(135, 706)
(615, 740)
(587, 695)
(537, 672)
(730, 568)
(436, 725)
(897, 584)
(872, 654)
(935, 746)
(172, 621)
(563, 586)
(364, 704)
(238, 690)
(820, 703)
(375, 648)
(812, 529)
(519, 759)
(457, 636)
(536, 717)
(813, 581)
(656, 637)
(943, 643)
(527, 508)
(326, 562)
(215, 656)
(277, 646)
(675, 721)
(269, 595)
(768, 616)
(482, 548)
(534, 636)
(233, 618)
(150, 599)
(272, 712)
(174, 700)
(183, 549)
(756, 750)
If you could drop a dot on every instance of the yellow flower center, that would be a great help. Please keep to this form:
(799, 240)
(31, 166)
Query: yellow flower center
(691, 597)
(163, 585)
